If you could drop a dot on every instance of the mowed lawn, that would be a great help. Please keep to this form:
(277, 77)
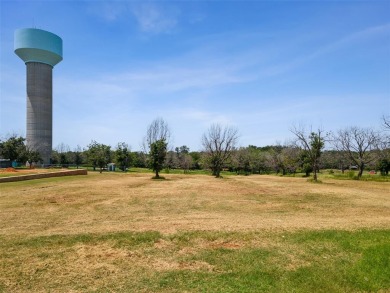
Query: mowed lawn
(115, 232)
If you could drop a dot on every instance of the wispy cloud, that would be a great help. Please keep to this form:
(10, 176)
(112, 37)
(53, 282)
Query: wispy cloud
(152, 18)
(108, 10)
(204, 117)
(364, 35)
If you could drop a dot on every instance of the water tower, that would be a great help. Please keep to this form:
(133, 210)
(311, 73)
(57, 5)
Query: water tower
(41, 51)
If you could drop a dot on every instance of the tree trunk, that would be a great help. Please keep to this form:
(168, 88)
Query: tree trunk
(315, 168)
(157, 176)
(360, 171)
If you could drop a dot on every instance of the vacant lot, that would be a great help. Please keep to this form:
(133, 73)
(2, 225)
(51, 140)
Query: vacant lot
(126, 232)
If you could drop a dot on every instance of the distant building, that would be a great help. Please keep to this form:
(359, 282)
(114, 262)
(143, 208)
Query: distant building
(5, 163)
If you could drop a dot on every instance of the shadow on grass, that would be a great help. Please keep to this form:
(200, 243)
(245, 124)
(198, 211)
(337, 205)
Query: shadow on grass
(159, 178)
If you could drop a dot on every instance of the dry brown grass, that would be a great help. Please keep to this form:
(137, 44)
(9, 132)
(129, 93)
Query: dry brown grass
(103, 203)
(242, 214)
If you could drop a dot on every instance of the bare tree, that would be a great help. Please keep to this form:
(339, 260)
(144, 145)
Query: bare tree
(386, 122)
(312, 144)
(157, 130)
(218, 144)
(359, 144)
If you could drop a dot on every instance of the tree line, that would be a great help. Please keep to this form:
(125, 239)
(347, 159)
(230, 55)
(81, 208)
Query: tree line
(309, 151)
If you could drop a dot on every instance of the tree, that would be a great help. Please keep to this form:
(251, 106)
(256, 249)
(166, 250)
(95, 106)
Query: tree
(186, 163)
(123, 156)
(13, 148)
(77, 156)
(274, 160)
(157, 130)
(359, 144)
(158, 152)
(99, 155)
(171, 161)
(183, 158)
(63, 154)
(218, 144)
(242, 161)
(312, 145)
(305, 163)
(383, 163)
(30, 155)
(140, 159)
(195, 160)
(386, 122)
(384, 166)
(258, 159)
(290, 158)
(156, 141)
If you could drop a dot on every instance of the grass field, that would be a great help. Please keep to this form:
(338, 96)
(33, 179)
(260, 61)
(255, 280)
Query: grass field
(115, 232)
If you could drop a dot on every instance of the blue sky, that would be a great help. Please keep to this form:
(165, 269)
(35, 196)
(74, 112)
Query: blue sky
(260, 66)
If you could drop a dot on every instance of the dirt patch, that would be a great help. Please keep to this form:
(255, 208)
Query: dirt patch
(8, 170)
(41, 175)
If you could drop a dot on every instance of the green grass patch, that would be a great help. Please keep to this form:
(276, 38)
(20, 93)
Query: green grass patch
(352, 175)
(198, 261)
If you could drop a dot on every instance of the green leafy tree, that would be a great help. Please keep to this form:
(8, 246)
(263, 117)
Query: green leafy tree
(305, 163)
(99, 155)
(123, 156)
(63, 154)
(31, 156)
(183, 158)
(156, 141)
(241, 161)
(139, 159)
(13, 148)
(78, 156)
(384, 166)
(274, 159)
(290, 158)
(158, 152)
(195, 160)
